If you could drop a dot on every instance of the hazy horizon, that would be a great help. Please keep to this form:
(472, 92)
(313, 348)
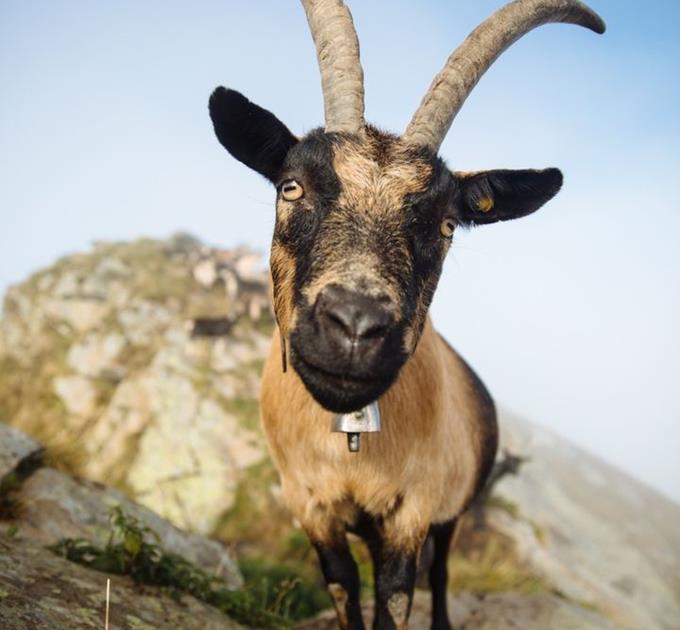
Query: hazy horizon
(569, 315)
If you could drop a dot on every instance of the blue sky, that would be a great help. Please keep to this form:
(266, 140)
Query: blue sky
(569, 315)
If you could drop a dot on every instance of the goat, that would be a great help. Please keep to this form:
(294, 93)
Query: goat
(364, 219)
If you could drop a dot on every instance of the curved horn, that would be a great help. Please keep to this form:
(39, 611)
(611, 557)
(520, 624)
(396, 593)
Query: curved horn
(337, 49)
(474, 56)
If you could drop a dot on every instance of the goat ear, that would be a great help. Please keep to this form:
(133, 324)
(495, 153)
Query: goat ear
(250, 133)
(500, 195)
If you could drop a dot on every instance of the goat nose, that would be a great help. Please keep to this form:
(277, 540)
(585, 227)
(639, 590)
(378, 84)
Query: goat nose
(349, 318)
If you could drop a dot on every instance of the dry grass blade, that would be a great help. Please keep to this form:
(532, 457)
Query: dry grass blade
(108, 596)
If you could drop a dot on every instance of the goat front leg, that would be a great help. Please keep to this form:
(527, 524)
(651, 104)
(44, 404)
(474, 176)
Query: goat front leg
(395, 560)
(342, 578)
(438, 574)
(395, 575)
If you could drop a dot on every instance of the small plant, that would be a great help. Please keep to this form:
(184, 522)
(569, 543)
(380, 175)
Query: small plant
(133, 549)
(289, 589)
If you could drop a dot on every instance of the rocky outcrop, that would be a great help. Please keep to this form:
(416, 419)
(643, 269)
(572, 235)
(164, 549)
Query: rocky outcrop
(51, 505)
(601, 537)
(40, 590)
(56, 506)
(17, 452)
(138, 365)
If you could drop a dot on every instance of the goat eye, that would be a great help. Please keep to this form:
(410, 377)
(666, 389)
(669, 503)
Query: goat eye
(447, 227)
(291, 190)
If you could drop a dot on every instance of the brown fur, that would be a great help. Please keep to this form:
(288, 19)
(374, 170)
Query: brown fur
(424, 465)
(282, 267)
(377, 173)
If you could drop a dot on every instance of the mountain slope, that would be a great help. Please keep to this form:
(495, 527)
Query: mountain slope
(601, 536)
(137, 364)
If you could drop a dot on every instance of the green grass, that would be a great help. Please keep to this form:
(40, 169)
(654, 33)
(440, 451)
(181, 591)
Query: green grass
(486, 561)
(291, 589)
(11, 389)
(271, 597)
(28, 401)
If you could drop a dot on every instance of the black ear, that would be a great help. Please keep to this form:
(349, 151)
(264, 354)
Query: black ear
(251, 134)
(500, 195)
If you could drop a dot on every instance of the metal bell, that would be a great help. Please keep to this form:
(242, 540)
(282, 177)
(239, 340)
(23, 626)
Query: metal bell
(366, 420)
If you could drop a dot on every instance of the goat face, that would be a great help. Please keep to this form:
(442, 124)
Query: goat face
(366, 247)
(363, 223)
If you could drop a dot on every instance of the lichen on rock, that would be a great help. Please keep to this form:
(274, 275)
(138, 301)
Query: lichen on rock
(101, 358)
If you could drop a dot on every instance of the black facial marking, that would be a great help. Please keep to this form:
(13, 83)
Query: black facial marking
(309, 162)
(424, 213)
